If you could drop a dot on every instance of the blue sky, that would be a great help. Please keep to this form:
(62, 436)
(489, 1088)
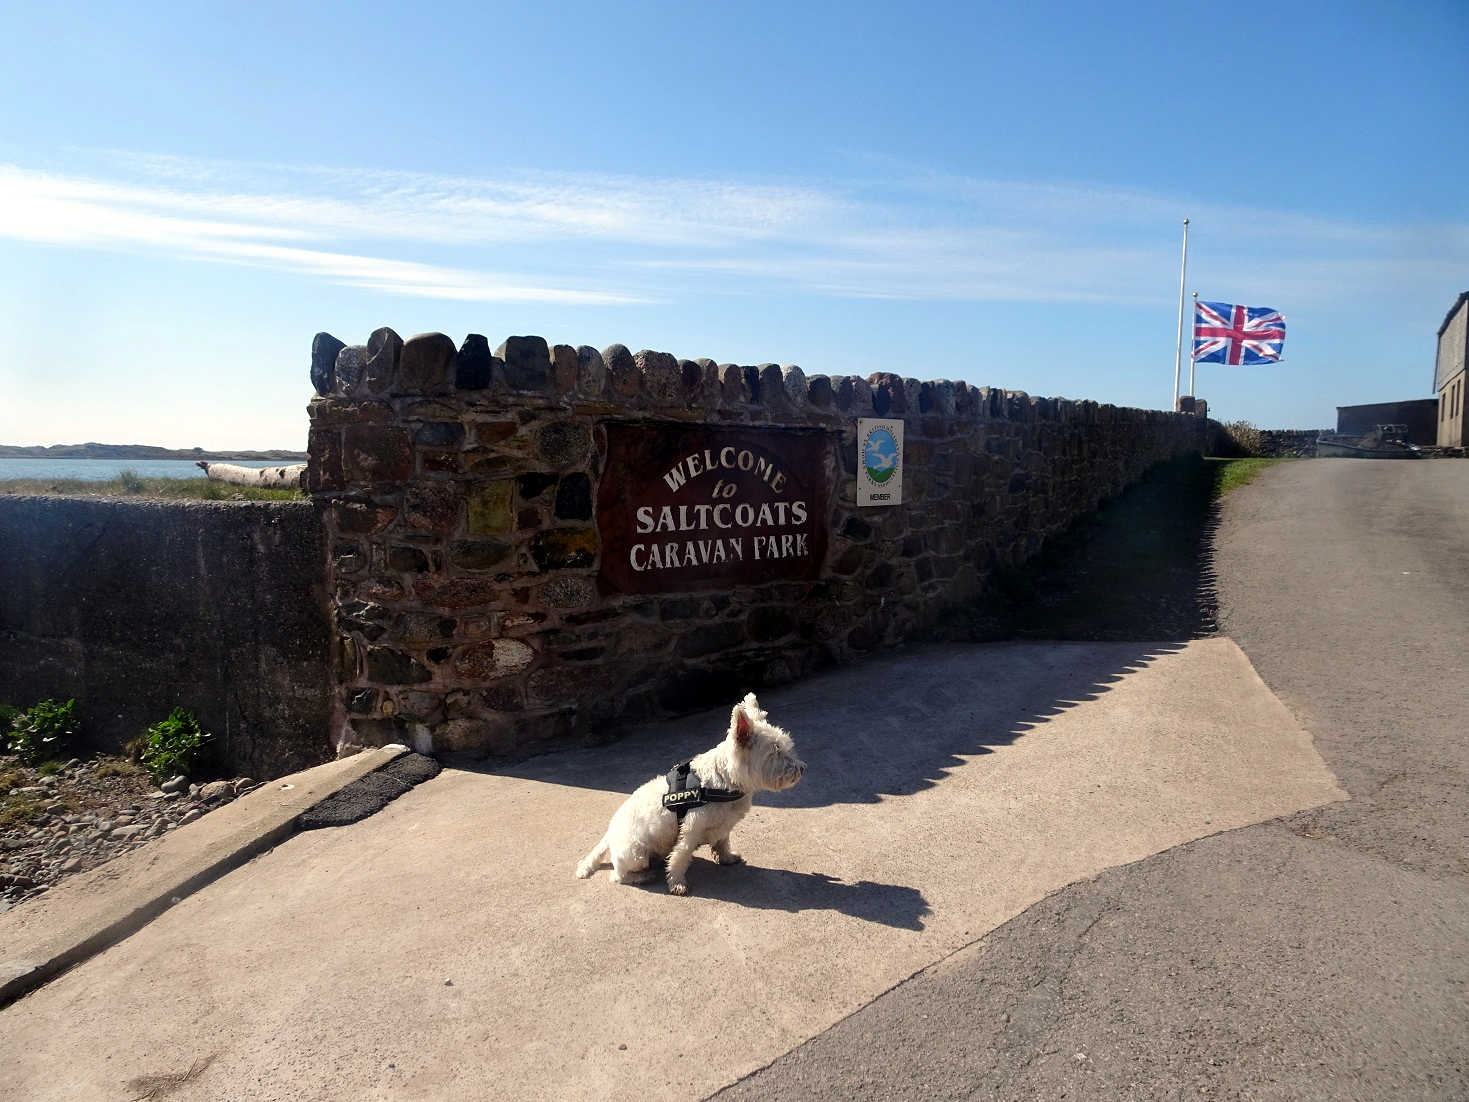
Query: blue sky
(987, 192)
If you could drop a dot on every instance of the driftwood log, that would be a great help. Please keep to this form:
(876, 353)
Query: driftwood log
(268, 478)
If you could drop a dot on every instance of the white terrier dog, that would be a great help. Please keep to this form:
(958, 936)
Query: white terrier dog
(698, 802)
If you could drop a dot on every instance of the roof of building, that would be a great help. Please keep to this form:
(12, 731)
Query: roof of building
(1400, 402)
(1454, 309)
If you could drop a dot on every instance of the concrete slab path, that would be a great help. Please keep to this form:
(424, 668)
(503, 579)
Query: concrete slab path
(98, 908)
(442, 949)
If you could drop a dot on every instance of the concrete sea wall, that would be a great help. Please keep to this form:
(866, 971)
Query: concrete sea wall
(136, 607)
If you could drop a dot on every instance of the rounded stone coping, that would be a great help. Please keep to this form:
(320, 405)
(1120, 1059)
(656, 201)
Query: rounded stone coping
(659, 383)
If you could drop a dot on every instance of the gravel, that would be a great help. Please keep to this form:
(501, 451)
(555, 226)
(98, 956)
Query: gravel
(56, 825)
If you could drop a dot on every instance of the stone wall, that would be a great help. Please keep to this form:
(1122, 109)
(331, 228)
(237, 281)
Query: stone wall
(136, 607)
(1289, 443)
(500, 586)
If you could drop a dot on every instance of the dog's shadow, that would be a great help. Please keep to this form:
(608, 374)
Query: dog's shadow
(765, 889)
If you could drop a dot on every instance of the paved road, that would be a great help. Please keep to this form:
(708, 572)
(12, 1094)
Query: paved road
(1324, 955)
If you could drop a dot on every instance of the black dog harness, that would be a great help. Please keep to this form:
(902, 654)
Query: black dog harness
(685, 791)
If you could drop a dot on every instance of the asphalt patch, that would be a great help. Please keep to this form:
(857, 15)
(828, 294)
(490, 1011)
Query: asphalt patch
(371, 793)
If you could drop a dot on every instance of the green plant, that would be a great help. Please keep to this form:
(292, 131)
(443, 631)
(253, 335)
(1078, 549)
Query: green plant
(8, 712)
(132, 481)
(174, 745)
(1246, 438)
(43, 731)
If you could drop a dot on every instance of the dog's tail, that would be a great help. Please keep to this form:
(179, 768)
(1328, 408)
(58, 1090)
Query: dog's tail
(594, 860)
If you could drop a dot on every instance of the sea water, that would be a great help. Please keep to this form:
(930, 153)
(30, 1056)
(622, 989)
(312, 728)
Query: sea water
(100, 470)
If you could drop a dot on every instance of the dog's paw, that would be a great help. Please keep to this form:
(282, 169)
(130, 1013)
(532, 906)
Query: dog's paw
(584, 872)
(678, 888)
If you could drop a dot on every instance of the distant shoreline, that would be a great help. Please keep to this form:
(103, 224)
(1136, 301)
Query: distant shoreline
(139, 451)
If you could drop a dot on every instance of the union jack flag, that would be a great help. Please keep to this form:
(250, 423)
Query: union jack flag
(1226, 334)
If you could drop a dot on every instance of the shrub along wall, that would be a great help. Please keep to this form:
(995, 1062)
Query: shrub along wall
(538, 543)
(1289, 443)
(136, 607)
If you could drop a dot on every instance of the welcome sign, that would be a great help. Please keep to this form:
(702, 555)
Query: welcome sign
(683, 508)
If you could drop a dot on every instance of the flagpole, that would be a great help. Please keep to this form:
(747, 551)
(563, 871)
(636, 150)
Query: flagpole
(1193, 325)
(1182, 276)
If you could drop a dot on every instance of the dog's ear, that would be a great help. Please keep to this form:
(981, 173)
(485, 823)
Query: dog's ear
(742, 727)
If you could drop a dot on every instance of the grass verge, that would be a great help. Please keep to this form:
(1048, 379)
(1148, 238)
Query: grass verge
(1231, 474)
(129, 485)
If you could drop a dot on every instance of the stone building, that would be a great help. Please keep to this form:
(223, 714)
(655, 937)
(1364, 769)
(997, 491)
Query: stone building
(1448, 373)
(1419, 415)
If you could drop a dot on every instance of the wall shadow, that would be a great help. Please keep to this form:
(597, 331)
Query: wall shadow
(1140, 567)
(934, 708)
(876, 730)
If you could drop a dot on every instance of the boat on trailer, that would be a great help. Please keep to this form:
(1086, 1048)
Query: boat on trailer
(1383, 442)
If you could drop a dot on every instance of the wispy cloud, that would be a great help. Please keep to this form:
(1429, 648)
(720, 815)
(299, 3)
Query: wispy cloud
(245, 229)
(461, 210)
(898, 234)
